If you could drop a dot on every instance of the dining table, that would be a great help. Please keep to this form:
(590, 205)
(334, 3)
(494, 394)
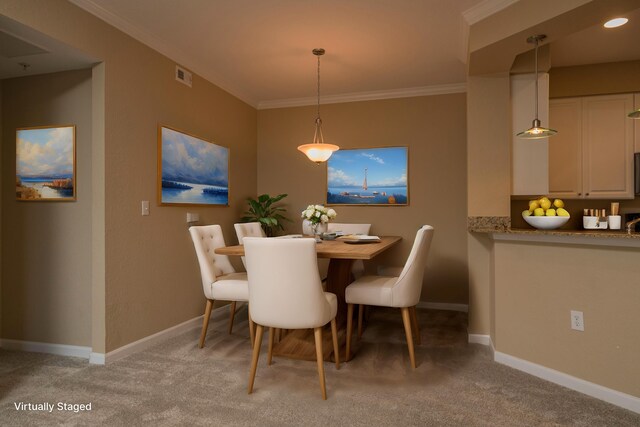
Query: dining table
(299, 344)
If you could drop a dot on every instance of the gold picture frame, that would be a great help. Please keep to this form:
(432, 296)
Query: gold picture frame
(192, 171)
(368, 177)
(46, 164)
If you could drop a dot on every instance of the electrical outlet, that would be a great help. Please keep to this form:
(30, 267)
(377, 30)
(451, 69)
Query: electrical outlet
(577, 320)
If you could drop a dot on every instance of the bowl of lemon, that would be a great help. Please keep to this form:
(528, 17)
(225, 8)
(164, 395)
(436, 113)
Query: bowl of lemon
(545, 215)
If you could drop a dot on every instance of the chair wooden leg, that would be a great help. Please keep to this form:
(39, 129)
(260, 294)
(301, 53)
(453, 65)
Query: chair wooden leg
(347, 356)
(360, 318)
(252, 328)
(336, 348)
(205, 322)
(414, 323)
(254, 358)
(407, 330)
(270, 353)
(317, 332)
(232, 315)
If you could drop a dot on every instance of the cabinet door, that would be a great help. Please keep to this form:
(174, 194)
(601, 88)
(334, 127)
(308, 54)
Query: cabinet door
(607, 146)
(565, 148)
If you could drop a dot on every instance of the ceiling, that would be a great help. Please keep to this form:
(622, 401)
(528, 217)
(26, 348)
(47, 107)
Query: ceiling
(260, 51)
(597, 44)
(25, 52)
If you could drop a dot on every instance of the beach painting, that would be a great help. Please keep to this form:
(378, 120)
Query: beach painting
(191, 170)
(45, 163)
(372, 176)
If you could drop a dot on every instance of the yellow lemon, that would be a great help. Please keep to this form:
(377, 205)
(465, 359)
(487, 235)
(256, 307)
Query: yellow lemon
(538, 212)
(562, 212)
(533, 205)
(558, 203)
(526, 212)
(545, 203)
(551, 212)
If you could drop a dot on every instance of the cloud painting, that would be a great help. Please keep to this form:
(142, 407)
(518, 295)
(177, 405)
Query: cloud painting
(45, 163)
(193, 171)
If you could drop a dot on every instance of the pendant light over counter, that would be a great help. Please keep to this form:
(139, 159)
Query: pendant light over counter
(536, 131)
(318, 151)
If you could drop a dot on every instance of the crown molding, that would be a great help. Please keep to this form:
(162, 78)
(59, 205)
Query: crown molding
(484, 9)
(366, 96)
(160, 46)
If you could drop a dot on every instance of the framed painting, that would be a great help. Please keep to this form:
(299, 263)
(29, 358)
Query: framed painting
(46, 163)
(369, 177)
(191, 170)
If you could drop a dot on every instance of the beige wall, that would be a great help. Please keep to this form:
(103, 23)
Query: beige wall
(537, 285)
(151, 277)
(594, 79)
(528, 290)
(46, 261)
(433, 127)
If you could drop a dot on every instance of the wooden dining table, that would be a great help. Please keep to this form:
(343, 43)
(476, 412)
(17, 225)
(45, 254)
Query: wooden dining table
(299, 344)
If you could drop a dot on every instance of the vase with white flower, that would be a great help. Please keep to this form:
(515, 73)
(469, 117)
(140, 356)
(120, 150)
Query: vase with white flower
(315, 219)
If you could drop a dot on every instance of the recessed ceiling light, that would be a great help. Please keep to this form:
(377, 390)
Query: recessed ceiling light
(616, 22)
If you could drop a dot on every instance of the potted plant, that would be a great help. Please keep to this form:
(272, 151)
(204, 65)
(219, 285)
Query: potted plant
(315, 218)
(265, 211)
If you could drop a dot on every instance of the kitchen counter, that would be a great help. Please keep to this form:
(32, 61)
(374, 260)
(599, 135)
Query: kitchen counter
(586, 237)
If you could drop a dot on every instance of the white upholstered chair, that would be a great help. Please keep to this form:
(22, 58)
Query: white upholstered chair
(285, 292)
(248, 229)
(358, 265)
(402, 291)
(219, 279)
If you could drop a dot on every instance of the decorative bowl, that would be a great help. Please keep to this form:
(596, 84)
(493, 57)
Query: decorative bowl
(546, 222)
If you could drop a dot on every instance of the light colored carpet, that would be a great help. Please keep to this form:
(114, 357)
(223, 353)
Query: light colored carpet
(175, 383)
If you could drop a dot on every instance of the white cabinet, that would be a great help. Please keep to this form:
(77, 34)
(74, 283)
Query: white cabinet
(529, 158)
(592, 154)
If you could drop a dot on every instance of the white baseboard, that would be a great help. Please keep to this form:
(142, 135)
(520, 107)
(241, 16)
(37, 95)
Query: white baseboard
(479, 339)
(154, 339)
(96, 358)
(443, 306)
(617, 398)
(149, 341)
(44, 347)
(101, 358)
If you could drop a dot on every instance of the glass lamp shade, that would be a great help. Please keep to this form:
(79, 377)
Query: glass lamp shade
(634, 114)
(318, 152)
(536, 132)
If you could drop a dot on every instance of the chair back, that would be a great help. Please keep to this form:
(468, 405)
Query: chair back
(207, 238)
(248, 229)
(406, 291)
(358, 265)
(349, 228)
(284, 286)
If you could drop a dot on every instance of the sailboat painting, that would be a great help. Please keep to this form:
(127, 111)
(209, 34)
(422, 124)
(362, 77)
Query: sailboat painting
(365, 177)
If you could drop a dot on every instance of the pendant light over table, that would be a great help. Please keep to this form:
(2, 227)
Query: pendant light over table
(318, 151)
(536, 131)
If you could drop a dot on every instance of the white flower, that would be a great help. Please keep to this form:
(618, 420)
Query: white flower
(331, 213)
(319, 207)
(309, 214)
(324, 219)
(317, 214)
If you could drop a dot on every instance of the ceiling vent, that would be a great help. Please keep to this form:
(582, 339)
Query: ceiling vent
(183, 76)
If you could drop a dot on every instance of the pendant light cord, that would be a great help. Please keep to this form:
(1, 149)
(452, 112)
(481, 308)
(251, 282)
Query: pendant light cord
(317, 137)
(318, 86)
(536, 65)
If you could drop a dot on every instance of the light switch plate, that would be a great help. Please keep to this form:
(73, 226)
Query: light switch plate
(192, 217)
(145, 207)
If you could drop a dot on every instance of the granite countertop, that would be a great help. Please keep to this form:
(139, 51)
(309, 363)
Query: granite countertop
(503, 225)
